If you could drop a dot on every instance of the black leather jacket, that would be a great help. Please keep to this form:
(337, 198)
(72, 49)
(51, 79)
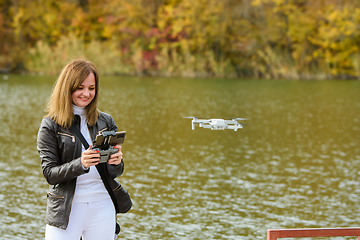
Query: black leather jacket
(60, 153)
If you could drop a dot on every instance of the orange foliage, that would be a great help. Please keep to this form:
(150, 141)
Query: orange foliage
(259, 38)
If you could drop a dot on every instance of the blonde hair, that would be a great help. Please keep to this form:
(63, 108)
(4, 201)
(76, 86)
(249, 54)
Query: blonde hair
(59, 107)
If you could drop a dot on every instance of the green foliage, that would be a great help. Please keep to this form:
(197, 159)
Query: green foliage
(296, 39)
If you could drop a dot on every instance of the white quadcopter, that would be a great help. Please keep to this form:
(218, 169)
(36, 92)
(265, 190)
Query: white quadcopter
(218, 124)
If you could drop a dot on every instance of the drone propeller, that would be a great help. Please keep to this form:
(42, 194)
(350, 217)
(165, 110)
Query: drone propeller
(236, 119)
(196, 117)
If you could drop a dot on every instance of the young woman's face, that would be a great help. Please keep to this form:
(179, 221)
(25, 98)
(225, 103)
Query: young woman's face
(85, 93)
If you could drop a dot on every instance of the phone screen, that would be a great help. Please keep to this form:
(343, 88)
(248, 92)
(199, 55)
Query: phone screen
(119, 138)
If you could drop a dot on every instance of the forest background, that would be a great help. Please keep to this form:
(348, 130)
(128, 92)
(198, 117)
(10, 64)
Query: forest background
(289, 39)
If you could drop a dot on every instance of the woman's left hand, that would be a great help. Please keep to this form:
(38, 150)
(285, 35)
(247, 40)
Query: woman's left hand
(116, 158)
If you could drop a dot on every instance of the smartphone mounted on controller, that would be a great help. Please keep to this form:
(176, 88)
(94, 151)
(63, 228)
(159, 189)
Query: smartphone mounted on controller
(105, 142)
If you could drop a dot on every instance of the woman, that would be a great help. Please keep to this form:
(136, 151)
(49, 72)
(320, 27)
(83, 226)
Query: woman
(78, 204)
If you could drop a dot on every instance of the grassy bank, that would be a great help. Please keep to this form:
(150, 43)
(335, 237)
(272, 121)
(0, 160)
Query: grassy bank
(108, 57)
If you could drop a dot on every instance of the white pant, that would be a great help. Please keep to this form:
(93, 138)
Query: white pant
(92, 221)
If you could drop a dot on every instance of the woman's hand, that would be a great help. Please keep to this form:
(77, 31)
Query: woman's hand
(116, 157)
(90, 158)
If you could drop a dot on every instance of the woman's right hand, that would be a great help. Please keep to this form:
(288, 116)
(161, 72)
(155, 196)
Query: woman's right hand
(90, 158)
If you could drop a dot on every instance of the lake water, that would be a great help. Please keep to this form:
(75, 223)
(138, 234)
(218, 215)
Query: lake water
(295, 165)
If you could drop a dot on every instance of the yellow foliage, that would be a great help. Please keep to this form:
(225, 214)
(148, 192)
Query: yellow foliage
(264, 38)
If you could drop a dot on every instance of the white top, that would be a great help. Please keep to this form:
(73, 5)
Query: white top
(89, 186)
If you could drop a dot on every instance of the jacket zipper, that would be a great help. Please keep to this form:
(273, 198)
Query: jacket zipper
(65, 134)
(117, 187)
(54, 195)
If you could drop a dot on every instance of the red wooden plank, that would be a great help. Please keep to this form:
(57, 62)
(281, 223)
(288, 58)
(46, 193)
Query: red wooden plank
(274, 234)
